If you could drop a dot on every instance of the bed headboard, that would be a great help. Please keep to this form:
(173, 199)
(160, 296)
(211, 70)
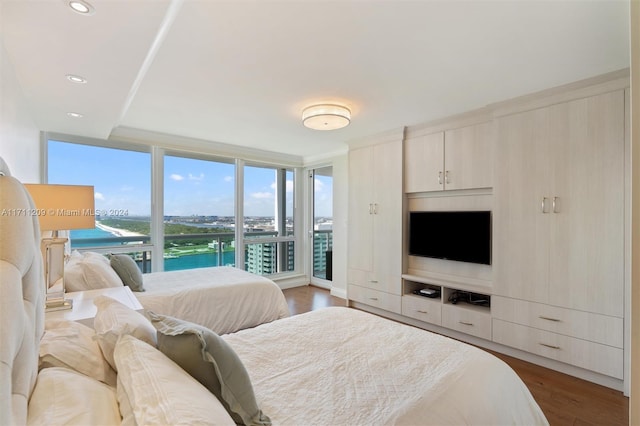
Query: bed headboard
(21, 298)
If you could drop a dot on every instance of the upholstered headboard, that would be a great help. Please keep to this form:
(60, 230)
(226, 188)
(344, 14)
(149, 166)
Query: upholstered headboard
(21, 298)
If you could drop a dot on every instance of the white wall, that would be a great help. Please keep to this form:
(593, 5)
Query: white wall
(340, 216)
(19, 136)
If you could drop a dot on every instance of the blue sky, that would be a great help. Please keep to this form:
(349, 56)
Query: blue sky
(122, 180)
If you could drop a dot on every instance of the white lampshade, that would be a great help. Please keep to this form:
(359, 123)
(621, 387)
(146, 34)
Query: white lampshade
(326, 117)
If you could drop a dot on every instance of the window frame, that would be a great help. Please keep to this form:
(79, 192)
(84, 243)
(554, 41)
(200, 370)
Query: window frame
(158, 149)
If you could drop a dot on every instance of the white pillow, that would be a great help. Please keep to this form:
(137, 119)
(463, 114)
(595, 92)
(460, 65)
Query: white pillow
(114, 319)
(159, 392)
(89, 271)
(66, 397)
(73, 345)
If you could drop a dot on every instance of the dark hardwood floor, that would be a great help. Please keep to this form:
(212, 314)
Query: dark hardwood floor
(564, 399)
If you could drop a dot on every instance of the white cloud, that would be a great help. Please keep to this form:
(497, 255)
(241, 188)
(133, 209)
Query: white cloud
(193, 177)
(176, 177)
(98, 196)
(228, 178)
(262, 195)
(289, 186)
(318, 185)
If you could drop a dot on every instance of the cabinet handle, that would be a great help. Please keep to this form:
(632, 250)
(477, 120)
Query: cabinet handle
(439, 178)
(422, 312)
(550, 346)
(544, 205)
(373, 298)
(465, 323)
(370, 208)
(446, 177)
(554, 204)
(375, 208)
(373, 281)
(549, 318)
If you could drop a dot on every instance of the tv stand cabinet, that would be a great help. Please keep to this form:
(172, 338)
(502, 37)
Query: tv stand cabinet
(444, 310)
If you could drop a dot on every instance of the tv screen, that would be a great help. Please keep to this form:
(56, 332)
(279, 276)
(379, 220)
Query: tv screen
(464, 236)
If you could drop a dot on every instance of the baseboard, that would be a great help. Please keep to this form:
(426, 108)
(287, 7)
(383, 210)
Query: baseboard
(339, 292)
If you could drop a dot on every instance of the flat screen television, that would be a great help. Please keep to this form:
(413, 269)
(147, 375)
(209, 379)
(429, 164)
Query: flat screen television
(463, 236)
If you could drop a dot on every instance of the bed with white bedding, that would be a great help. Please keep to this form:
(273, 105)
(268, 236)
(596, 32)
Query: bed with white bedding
(223, 298)
(337, 366)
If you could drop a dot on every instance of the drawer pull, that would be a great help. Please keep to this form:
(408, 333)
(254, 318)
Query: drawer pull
(550, 346)
(422, 312)
(373, 298)
(373, 281)
(549, 318)
(465, 323)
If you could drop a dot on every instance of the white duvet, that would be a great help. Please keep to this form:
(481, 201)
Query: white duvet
(340, 366)
(224, 299)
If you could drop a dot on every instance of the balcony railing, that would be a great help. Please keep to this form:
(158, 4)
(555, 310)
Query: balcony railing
(140, 247)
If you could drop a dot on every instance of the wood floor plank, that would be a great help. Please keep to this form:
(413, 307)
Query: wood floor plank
(564, 399)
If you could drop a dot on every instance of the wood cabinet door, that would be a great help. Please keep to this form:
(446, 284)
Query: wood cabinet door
(468, 157)
(587, 230)
(360, 236)
(387, 217)
(522, 205)
(424, 162)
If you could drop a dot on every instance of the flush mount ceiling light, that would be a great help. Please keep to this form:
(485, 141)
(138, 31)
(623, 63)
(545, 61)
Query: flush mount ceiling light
(326, 117)
(76, 79)
(81, 7)
(75, 115)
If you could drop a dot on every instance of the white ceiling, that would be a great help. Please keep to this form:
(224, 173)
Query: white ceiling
(240, 72)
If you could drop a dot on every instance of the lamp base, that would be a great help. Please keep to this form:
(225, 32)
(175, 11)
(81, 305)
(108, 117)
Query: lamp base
(58, 305)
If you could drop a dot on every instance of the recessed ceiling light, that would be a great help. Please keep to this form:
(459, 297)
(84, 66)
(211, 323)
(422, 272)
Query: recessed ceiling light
(76, 78)
(81, 6)
(75, 115)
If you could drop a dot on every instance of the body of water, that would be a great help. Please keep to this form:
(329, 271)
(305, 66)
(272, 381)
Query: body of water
(199, 261)
(170, 264)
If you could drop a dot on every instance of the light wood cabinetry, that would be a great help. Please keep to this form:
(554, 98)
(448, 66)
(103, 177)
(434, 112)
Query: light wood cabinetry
(570, 322)
(453, 159)
(375, 223)
(603, 359)
(553, 170)
(467, 319)
(442, 309)
(559, 206)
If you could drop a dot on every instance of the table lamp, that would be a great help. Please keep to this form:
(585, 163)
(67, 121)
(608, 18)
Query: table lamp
(60, 207)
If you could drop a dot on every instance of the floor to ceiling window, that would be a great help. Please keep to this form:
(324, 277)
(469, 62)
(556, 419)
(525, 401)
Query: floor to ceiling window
(198, 222)
(122, 189)
(269, 239)
(322, 233)
(199, 213)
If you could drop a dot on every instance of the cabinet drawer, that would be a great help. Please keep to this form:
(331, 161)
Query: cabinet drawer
(375, 298)
(422, 308)
(372, 280)
(591, 356)
(467, 320)
(579, 324)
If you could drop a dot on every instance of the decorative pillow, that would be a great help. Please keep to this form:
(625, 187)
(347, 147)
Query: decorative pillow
(66, 397)
(128, 271)
(211, 361)
(113, 319)
(72, 345)
(152, 389)
(88, 272)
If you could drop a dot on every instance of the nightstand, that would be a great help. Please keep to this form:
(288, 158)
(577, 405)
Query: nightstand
(84, 310)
